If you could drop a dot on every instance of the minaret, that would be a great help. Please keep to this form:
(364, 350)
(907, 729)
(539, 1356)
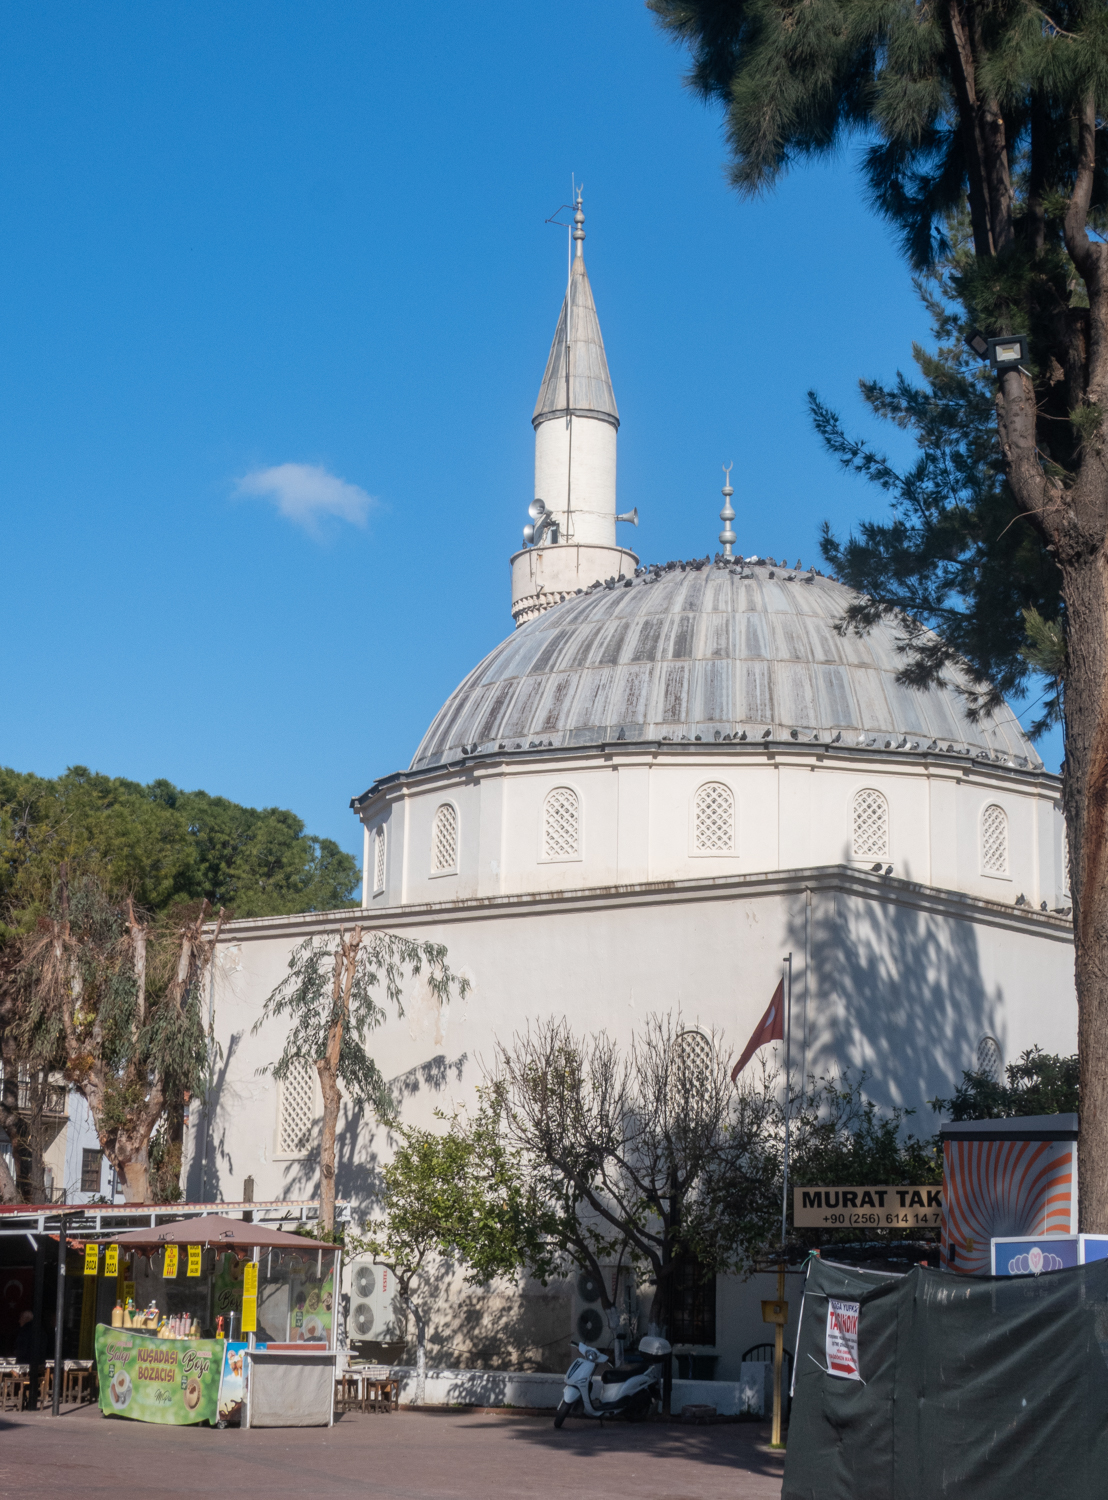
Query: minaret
(575, 422)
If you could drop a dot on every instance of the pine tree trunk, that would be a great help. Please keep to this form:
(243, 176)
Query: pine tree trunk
(1085, 789)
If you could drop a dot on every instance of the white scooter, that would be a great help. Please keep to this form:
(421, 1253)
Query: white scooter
(629, 1389)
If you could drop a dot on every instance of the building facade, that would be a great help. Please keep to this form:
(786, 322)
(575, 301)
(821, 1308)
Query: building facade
(661, 783)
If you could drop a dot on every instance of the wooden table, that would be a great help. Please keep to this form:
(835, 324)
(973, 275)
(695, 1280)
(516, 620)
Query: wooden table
(367, 1388)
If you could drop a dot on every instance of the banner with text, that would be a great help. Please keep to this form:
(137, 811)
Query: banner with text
(158, 1380)
(868, 1207)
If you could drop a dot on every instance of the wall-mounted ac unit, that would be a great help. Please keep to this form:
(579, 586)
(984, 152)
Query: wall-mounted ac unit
(374, 1313)
(592, 1323)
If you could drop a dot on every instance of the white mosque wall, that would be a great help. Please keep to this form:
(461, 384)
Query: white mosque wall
(903, 984)
(638, 822)
(575, 475)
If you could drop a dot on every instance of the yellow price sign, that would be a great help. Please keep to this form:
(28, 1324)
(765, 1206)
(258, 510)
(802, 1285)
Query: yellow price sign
(92, 1259)
(249, 1314)
(169, 1269)
(250, 1279)
(195, 1254)
(111, 1261)
(128, 1291)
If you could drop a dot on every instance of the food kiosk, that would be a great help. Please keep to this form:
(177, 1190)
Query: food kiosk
(222, 1319)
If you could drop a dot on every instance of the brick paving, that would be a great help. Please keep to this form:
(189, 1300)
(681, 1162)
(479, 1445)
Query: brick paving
(432, 1455)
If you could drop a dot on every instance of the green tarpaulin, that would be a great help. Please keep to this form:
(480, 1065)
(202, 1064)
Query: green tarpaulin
(965, 1388)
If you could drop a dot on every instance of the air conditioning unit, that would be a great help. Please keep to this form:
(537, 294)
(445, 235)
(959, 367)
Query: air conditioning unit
(373, 1310)
(589, 1322)
(592, 1322)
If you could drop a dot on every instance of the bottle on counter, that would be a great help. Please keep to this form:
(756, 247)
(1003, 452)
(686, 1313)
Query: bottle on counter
(117, 1315)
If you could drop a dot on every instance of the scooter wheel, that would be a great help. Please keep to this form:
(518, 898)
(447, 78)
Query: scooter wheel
(562, 1413)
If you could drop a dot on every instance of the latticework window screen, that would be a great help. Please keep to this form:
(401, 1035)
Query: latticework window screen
(561, 824)
(379, 860)
(871, 825)
(297, 1109)
(444, 840)
(994, 840)
(693, 1057)
(715, 819)
(989, 1060)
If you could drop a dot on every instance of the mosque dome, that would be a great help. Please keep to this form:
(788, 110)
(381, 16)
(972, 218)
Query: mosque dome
(732, 650)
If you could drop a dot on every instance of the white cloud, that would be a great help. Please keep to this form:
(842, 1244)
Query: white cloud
(305, 493)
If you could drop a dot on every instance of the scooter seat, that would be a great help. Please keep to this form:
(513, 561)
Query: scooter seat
(627, 1371)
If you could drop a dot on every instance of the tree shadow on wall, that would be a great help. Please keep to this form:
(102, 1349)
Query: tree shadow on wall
(358, 1137)
(204, 1179)
(498, 1330)
(895, 991)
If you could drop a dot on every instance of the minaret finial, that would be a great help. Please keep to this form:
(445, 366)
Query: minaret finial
(578, 220)
(727, 515)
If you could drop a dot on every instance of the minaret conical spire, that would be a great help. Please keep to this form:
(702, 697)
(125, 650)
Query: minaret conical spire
(576, 379)
(572, 542)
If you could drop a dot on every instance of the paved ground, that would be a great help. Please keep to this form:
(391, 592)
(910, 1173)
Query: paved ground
(408, 1455)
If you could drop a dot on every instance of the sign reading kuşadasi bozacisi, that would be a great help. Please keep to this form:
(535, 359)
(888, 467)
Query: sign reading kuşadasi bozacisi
(871, 1207)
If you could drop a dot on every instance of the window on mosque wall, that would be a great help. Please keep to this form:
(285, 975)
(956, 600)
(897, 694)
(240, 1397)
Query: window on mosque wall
(296, 1109)
(444, 840)
(713, 819)
(994, 840)
(693, 1310)
(870, 824)
(379, 860)
(990, 1059)
(561, 825)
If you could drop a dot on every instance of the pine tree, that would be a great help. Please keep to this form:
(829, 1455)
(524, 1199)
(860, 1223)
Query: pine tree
(992, 108)
(959, 566)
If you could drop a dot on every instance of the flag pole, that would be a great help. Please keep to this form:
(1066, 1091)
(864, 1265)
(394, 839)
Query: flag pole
(779, 1324)
(788, 976)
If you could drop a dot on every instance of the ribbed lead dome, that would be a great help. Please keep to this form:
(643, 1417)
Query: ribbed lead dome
(746, 652)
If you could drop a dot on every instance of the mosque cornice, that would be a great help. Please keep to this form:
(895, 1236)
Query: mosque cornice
(782, 751)
(888, 890)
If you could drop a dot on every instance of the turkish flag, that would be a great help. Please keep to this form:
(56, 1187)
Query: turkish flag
(771, 1028)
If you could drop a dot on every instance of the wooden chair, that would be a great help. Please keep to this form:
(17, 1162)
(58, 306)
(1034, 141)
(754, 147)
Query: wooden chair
(76, 1387)
(348, 1392)
(13, 1389)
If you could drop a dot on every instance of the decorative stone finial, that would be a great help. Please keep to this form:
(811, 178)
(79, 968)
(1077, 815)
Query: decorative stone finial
(578, 232)
(727, 515)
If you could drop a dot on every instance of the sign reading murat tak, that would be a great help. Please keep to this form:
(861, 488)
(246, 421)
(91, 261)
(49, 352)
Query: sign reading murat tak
(868, 1207)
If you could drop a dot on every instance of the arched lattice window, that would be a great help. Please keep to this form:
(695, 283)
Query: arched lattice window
(989, 1059)
(444, 840)
(693, 1059)
(871, 825)
(561, 824)
(379, 860)
(294, 1131)
(714, 819)
(994, 840)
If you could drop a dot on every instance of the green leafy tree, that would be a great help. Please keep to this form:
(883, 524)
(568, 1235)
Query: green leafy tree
(160, 846)
(994, 109)
(1040, 1083)
(98, 988)
(329, 998)
(459, 1196)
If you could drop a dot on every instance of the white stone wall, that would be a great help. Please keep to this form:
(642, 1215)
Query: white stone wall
(903, 983)
(793, 809)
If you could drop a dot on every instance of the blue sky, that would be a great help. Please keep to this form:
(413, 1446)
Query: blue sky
(250, 237)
